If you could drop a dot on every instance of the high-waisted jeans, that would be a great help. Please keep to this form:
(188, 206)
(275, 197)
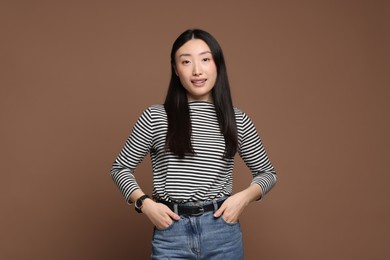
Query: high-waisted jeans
(198, 237)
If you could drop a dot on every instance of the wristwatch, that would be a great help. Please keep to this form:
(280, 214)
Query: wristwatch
(139, 202)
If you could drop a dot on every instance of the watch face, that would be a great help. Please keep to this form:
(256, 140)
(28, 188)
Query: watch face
(138, 203)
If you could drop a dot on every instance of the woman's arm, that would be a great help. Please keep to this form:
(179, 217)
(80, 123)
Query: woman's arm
(253, 154)
(135, 149)
(137, 145)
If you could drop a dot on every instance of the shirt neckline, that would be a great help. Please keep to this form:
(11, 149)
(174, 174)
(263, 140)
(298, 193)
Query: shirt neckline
(200, 102)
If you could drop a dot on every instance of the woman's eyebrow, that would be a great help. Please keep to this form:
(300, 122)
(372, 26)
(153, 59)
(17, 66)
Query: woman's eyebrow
(187, 54)
(204, 52)
(184, 54)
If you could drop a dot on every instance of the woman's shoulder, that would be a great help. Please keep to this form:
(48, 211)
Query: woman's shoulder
(241, 116)
(156, 110)
(238, 112)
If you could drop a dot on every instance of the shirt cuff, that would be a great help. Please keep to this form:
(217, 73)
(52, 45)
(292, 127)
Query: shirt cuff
(266, 181)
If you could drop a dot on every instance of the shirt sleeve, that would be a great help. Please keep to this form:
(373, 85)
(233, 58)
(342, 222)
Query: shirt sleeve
(252, 151)
(137, 146)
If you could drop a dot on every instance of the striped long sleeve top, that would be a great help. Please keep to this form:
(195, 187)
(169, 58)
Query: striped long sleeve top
(204, 176)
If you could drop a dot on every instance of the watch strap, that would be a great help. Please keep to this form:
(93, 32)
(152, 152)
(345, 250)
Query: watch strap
(139, 202)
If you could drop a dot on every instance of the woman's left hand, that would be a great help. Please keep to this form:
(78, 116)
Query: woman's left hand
(233, 206)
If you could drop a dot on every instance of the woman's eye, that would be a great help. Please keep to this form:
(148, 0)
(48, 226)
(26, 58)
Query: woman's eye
(185, 62)
(206, 59)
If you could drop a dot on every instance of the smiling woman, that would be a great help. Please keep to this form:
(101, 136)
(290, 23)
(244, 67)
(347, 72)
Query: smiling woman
(196, 69)
(192, 140)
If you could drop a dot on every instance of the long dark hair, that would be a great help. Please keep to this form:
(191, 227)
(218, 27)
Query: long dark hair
(178, 140)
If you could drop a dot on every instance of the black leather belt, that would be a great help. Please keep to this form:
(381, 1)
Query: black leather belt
(192, 210)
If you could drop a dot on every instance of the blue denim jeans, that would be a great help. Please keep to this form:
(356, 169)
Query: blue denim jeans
(198, 237)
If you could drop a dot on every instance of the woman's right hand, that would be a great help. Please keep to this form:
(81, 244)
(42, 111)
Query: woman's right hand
(159, 214)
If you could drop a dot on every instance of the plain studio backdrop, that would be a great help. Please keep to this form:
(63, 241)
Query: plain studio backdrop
(312, 75)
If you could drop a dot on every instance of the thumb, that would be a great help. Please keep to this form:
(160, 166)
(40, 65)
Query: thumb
(219, 212)
(173, 215)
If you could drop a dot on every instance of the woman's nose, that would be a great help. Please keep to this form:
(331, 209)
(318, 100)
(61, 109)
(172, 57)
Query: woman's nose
(197, 70)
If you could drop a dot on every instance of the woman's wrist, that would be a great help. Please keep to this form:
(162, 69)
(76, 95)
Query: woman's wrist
(147, 204)
(253, 193)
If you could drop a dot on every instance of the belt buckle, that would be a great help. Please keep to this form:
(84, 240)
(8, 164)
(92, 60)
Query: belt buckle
(200, 211)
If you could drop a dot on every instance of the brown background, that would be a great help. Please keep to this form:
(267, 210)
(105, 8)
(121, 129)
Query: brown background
(313, 76)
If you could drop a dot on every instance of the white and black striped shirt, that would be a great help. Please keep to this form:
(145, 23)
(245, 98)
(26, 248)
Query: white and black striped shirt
(204, 176)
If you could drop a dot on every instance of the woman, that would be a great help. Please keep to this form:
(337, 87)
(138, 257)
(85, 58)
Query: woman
(192, 140)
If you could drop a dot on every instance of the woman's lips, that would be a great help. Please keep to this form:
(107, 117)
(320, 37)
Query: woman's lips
(198, 82)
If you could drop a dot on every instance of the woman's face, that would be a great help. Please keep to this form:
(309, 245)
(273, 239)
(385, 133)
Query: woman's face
(195, 67)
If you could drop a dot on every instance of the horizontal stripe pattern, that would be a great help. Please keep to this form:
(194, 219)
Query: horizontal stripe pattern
(204, 176)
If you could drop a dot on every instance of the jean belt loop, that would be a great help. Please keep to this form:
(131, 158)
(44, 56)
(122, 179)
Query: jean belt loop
(215, 205)
(175, 208)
